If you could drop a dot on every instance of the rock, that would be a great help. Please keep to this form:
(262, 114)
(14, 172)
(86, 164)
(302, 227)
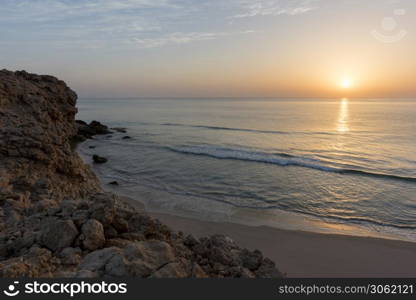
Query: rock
(85, 131)
(117, 242)
(64, 274)
(218, 249)
(37, 262)
(98, 159)
(268, 269)
(86, 274)
(110, 232)
(121, 225)
(104, 208)
(58, 234)
(78, 139)
(251, 260)
(139, 268)
(240, 272)
(191, 241)
(3, 251)
(172, 270)
(180, 269)
(67, 208)
(198, 272)
(80, 122)
(37, 124)
(219, 255)
(137, 259)
(154, 253)
(117, 266)
(133, 236)
(93, 233)
(26, 240)
(70, 256)
(96, 261)
(80, 216)
(99, 128)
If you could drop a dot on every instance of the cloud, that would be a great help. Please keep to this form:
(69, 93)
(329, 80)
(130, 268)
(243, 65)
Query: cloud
(274, 8)
(55, 10)
(116, 24)
(183, 38)
(83, 22)
(138, 42)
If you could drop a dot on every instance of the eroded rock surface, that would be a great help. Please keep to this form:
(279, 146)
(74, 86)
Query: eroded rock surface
(38, 167)
(57, 222)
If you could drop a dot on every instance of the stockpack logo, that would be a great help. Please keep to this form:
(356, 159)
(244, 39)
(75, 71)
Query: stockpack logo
(12, 290)
(65, 288)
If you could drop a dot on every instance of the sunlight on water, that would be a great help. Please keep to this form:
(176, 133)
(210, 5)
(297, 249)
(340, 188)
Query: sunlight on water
(343, 116)
(347, 165)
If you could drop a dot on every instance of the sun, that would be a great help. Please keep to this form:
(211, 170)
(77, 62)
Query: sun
(346, 83)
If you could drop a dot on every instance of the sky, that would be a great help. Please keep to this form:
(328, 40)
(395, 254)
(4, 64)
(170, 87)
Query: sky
(216, 48)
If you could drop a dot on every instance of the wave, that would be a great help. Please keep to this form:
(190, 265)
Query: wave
(244, 129)
(281, 159)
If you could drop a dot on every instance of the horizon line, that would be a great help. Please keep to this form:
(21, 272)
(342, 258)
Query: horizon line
(245, 97)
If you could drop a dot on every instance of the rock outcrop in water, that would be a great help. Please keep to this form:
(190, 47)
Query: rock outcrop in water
(87, 131)
(57, 222)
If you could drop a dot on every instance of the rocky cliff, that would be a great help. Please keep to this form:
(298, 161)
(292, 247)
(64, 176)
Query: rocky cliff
(38, 168)
(56, 221)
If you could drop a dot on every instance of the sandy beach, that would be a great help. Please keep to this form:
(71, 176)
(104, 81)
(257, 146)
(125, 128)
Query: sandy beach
(304, 254)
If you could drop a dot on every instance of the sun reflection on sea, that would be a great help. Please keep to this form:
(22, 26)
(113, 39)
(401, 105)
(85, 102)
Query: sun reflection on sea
(343, 116)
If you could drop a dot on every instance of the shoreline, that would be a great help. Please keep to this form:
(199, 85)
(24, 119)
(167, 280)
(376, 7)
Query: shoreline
(299, 253)
(302, 254)
(184, 205)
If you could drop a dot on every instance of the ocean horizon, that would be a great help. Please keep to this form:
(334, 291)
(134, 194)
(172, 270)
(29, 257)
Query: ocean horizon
(343, 166)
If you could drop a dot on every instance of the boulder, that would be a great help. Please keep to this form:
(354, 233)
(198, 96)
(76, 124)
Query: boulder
(99, 128)
(96, 260)
(93, 235)
(154, 253)
(85, 130)
(104, 208)
(58, 234)
(99, 159)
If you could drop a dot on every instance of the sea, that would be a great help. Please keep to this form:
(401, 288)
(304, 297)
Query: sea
(335, 166)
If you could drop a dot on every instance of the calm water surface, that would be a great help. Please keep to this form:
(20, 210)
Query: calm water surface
(340, 165)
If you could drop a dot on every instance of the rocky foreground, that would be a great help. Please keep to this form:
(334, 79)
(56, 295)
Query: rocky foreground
(55, 219)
